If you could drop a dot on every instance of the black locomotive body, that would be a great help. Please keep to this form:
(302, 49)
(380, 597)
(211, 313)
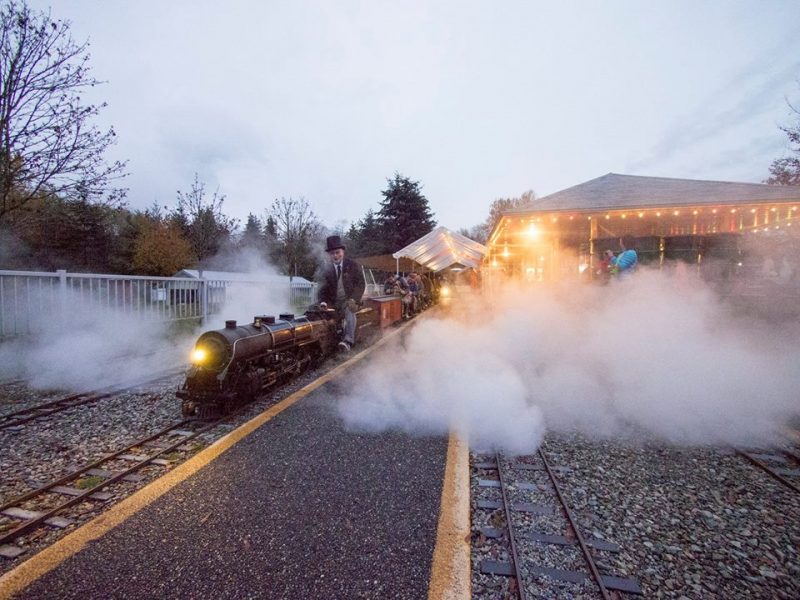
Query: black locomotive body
(232, 366)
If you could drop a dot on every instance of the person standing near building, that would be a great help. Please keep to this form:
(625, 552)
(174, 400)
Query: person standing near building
(342, 285)
(625, 262)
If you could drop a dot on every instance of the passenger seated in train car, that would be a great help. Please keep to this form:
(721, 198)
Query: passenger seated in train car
(405, 295)
(413, 288)
(342, 285)
(624, 263)
(422, 292)
(390, 286)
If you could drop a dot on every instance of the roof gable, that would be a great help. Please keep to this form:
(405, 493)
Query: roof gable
(615, 191)
(441, 248)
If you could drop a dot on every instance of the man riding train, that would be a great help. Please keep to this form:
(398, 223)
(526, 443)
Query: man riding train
(342, 285)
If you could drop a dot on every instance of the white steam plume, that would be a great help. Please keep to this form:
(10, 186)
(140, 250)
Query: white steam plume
(657, 356)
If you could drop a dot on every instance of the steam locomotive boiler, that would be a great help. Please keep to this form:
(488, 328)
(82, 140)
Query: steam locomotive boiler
(233, 366)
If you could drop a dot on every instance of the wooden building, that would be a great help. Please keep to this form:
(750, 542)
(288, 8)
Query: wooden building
(563, 234)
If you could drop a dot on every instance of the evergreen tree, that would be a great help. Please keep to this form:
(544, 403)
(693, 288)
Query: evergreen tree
(253, 235)
(366, 238)
(404, 215)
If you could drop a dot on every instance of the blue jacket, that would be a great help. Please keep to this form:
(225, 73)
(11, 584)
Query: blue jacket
(625, 261)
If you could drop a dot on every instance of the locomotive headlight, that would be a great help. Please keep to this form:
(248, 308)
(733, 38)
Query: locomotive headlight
(445, 291)
(199, 355)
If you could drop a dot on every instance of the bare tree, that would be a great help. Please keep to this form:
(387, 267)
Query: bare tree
(496, 210)
(48, 145)
(202, 221)
(786, 170)
(297, 227)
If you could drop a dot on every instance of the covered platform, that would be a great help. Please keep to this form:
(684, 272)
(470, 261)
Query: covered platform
(563, 234)
(441, 249)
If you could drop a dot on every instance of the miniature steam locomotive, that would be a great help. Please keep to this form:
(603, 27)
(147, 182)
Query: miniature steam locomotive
(233, 366)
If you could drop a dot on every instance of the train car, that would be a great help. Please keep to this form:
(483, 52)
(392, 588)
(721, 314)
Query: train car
(232, 366)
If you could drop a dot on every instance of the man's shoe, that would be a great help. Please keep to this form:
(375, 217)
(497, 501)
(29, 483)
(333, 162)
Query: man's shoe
(344, 346)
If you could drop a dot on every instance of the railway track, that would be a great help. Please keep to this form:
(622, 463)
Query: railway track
(521, 528)
(43, 507)
(18, 418)
(783, 464)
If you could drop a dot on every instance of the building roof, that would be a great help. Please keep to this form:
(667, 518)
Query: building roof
(233, 276)
(615, 191)
(441, 248)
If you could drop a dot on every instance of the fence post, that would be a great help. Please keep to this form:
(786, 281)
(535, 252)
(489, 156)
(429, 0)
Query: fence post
(62, 293)
(203, 300)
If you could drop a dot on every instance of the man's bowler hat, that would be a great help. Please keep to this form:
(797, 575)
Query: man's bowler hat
(333, 242)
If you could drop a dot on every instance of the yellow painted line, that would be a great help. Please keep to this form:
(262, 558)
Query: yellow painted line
(51, 557)
(451, 577)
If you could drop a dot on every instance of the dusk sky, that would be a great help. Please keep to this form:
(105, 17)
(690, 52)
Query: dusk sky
(476, 100)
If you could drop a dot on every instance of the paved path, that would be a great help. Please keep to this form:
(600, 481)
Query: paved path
(299, 509)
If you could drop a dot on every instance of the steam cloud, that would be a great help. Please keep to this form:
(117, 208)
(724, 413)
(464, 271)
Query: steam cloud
(658, 356)
(93, 346)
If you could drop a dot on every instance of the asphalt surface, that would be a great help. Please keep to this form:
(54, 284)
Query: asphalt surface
(301, 509)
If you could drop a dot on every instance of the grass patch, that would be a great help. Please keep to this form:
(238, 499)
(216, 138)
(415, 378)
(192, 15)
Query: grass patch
(90, 481)
(172, 456)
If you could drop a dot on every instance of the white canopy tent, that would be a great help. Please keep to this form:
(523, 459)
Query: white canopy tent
(442, 248)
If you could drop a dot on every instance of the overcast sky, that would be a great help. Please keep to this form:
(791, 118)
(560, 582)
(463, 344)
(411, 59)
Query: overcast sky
(476, 100)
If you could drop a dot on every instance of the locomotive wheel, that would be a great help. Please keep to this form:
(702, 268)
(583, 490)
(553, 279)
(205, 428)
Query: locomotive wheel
(304, 358)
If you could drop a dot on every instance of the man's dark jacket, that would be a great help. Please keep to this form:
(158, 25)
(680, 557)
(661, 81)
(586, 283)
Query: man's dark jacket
(352, 279)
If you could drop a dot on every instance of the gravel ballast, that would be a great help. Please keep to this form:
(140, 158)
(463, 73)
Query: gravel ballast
(690, 523)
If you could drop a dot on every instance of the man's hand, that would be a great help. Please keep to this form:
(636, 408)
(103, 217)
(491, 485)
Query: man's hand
(352, 305)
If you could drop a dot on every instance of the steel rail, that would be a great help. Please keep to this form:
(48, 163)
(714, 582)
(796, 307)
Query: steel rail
(77, 473)
(769, 470)
(510, 527)
(576, 530)
(52, 407)
(34, 523)
(48, 408)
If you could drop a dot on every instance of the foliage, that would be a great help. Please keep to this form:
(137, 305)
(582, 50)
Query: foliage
(480, 233)
(48, 145)
(477, 233)
(366, 238)
(404, 215)
(297, 228)
(201, 221)
(253, 235)
(57, 234)
(161, 250)
(786, 170)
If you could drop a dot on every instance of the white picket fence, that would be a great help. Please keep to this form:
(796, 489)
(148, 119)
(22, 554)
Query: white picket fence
(32, 301)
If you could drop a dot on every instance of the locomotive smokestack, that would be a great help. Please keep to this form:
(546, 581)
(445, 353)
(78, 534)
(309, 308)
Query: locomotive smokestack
(230, 324)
